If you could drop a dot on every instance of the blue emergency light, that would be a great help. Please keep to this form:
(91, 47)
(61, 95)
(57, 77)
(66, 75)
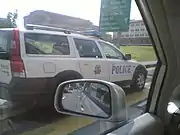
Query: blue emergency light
(93, 33)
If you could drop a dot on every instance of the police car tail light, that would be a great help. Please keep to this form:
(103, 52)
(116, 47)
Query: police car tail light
(17, 65)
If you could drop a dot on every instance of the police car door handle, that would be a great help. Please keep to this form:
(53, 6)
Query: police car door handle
(86, 64)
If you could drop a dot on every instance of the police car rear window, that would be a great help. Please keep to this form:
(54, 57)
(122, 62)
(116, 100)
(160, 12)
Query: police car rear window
(46, 44)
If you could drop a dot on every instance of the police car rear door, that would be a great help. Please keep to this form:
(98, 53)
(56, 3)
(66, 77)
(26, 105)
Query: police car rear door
(119, 68)
(91, 62)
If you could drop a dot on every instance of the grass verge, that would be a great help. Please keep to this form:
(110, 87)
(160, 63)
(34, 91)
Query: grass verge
(140, 53)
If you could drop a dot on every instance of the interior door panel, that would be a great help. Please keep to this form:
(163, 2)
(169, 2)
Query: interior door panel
(146, 124)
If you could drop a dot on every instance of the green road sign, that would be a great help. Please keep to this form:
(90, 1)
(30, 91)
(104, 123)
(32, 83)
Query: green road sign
(115, 15)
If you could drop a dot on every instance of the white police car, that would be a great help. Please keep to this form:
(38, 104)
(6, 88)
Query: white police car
(34, 61)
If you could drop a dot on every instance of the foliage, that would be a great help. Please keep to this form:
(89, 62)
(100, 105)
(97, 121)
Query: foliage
(12, 17)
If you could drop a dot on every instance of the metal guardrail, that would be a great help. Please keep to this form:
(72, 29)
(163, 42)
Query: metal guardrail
(149, 64)
(5, 123)
(5, 108)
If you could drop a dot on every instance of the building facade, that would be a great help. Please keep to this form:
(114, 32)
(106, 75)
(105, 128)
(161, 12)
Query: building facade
(136, 35)
(41, 17)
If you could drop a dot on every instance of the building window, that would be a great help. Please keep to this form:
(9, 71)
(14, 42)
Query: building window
(137, 29)
(132, 30)
(127, 35)
(137, 24)
(142, 35)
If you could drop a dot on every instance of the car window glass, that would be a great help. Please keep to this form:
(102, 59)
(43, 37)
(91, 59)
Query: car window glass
(46, 44)
(110, 51)
(5, 44)
(3, 41)
(87, 48)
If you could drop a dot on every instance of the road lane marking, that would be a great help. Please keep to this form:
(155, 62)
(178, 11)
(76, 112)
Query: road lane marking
(136, 97)
(64, 126)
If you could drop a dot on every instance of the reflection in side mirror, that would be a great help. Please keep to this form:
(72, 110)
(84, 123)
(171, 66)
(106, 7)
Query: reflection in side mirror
(92, 98)
(107, 55)
(128, 56)
(89, 98)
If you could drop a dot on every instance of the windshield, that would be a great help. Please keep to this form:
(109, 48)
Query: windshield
(45, 59)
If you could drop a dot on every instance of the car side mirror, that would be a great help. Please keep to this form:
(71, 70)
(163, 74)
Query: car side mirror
(92, 98)
(128, 56)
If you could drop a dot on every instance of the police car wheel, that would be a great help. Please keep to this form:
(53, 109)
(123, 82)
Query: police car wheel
(139, 80)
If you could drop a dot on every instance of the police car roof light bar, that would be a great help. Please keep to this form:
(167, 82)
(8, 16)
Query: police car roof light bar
(92, 33)
(42, 27)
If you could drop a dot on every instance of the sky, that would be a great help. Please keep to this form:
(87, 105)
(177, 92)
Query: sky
(85, 9)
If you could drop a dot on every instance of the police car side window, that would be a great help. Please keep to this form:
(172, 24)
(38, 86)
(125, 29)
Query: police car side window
(110, 51)
(87, 48)
(46, 44)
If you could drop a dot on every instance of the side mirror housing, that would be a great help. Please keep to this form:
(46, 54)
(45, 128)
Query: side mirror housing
(91, 98)
(128, 56)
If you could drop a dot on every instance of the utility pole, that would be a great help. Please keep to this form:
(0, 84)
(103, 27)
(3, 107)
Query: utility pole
(119, 38)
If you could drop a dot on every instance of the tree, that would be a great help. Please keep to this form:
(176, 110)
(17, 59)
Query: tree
(11, 18)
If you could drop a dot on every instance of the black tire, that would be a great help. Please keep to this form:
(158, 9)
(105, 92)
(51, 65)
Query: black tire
(139, 79)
